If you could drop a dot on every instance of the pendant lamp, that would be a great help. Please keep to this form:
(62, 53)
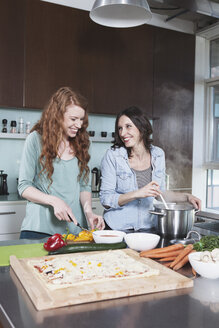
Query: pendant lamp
(120, 13)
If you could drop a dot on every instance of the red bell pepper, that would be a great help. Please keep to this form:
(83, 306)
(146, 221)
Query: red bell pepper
(54, 242)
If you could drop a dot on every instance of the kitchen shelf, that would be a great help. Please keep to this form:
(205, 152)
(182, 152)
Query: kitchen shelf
(101, 139)
(24, 135)
(13, 135)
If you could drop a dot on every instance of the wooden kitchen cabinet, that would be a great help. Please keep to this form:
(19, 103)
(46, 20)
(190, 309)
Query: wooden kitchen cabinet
(122, 62)
(174, 62)
(11, 52)
(54, 51)
(11, 217)
(113, 68)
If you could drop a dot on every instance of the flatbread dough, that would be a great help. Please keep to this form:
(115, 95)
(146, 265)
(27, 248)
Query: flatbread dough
(74, 269)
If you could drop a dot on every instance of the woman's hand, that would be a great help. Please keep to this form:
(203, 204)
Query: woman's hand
(96, 221)
(62, 210)
(196, 202)
(152, 189)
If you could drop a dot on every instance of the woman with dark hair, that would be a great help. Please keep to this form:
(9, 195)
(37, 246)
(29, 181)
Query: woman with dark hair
(54, 174)
(133, 174)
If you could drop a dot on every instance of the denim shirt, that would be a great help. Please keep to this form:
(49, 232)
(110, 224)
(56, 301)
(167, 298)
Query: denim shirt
(118, 178)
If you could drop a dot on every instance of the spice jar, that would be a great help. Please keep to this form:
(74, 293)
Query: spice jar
(4, 129)
(13, 127)
(27, 127)
(21, 125)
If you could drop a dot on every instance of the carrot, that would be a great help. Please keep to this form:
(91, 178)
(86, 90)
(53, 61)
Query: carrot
(182, 254)
(163, 254)
(162, 250)
(167, 259)
(181, 263)
(194, 272)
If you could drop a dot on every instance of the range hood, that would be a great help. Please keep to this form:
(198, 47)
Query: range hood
(203, 13)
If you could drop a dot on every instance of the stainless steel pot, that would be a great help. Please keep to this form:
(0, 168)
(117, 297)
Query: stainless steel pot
(176, 221)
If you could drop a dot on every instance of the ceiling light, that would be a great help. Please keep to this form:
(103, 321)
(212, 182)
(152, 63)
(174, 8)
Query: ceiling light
(120, 13)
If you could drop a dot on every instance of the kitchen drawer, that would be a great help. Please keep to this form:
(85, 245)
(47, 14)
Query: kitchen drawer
(11, 217)
(97, 207)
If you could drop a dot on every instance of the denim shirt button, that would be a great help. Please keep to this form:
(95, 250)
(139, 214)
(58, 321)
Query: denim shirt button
(139, 201)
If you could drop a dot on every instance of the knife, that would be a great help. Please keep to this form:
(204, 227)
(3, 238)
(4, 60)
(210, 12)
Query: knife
(78, 224)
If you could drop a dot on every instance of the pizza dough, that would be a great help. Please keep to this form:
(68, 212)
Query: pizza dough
(74, 269)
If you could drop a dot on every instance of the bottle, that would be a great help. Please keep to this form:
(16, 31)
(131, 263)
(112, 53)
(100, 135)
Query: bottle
(13, 127)
(4, 129)
(4, 185)
(21, 125)
(27, 127)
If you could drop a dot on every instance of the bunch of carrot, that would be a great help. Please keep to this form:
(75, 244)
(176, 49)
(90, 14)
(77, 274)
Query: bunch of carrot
(174, 256)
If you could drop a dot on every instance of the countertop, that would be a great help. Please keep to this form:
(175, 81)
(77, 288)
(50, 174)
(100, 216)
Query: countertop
(196, 307)
(15, 198)
(11, 199)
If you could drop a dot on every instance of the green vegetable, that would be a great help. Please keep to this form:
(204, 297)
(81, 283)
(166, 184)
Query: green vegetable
(81, 247)
(207, 243)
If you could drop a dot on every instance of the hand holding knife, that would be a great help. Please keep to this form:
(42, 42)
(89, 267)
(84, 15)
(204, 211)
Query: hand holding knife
(77, 224)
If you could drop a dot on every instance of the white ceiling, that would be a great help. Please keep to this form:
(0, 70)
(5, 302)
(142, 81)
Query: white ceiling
(157, 20)
(80, 4)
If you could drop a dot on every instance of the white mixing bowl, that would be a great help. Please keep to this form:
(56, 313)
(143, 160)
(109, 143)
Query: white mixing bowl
(141, 241)
(205, 269)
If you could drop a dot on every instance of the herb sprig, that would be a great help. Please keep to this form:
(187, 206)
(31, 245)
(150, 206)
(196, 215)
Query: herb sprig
(207, 243)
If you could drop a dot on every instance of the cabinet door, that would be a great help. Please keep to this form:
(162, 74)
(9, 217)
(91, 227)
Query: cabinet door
(122, 66)
(11, 52)
(55, 52)
(11, 217)
(173, 103)
(113, 68)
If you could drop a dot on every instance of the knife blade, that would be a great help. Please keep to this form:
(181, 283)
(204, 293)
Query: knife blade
(78, 224)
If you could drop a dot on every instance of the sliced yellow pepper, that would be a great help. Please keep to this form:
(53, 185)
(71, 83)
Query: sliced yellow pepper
(71, 237)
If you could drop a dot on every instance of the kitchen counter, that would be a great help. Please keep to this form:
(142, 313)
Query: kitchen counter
(15, 198)
(12, 199)
(189, 307)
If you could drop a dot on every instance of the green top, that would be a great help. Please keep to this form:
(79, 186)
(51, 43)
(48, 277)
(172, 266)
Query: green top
(65, 185)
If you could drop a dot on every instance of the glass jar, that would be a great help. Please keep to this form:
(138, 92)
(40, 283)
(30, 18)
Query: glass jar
(27, 127)
(13, 127)
(21, 125)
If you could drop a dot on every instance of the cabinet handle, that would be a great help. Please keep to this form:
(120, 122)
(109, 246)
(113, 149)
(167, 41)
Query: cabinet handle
(94, 208)
(4, 213)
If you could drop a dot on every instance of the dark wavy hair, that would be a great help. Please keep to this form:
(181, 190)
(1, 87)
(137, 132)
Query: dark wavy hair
(50, 127)
(141, 122)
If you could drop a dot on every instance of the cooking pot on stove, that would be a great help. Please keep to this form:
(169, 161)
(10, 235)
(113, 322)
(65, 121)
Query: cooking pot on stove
(176, 221)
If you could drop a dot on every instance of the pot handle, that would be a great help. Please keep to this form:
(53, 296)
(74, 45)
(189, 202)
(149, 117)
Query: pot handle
(157, 213)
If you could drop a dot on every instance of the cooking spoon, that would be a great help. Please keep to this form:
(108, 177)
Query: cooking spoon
(164, 202)
(78, 224)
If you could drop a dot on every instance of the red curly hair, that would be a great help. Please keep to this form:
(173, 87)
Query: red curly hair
(50, 127)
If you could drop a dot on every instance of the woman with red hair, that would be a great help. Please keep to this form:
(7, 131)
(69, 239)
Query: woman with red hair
(54, 174)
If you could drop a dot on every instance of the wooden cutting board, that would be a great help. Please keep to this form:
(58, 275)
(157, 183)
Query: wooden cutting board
(44, 299)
